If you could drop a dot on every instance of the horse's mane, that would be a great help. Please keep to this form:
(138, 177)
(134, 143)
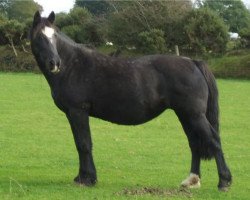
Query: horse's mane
(85, 48)
(64, 38)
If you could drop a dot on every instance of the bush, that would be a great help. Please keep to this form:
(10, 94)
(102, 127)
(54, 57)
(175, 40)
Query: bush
(245, 37)
(24, 62)
(151, 41)
(75, 32)
(207, 33)
(233, 65)
(81, 26)
(135, 17)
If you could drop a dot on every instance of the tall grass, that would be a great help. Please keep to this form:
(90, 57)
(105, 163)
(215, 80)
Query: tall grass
(38, 159)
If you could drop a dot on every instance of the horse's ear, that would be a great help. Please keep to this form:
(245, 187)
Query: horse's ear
(37, 18)
(51, 17)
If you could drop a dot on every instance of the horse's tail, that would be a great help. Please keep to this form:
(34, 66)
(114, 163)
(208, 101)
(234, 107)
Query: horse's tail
(212, 112)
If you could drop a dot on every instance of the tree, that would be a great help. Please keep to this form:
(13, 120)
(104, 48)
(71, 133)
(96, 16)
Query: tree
(62, 20)
(206, 32)
(80, 25)
(234, 13)
(73, 23)
(3, 39)
(79, 16)
(18, 17)
(133, 17)
(4, 5)
(22, 10)
(151, 42)
(96, 8)
(12, 30)
(2, 18)
(245, 37)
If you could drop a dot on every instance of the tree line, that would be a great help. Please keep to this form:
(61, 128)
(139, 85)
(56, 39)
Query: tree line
(199, 27)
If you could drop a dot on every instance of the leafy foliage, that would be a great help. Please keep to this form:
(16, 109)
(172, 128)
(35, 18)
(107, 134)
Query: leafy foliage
(24, 62)
(79, 16)
(234, 13)
(134, 17)
(22, 10)
(73, 23)
(151, 41)
(232, 65)
(94, 7)
(15, 21)
(150, 26)
(3, 39)
(12, 30)
(206, 32)
(62, 20)
(122, 30)
(245, 37)
(80, 25)
(4, 6)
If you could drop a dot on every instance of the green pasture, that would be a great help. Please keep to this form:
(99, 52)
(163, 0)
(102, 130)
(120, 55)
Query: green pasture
(38, 159)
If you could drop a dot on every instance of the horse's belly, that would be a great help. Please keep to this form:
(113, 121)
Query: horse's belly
(129, 114)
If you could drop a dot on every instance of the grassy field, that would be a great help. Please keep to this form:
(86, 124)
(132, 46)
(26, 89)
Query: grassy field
(38, 159)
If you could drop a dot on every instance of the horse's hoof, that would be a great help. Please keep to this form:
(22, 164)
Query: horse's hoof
(193, 181)
(85, 181)
(224, 186)
(223, 189)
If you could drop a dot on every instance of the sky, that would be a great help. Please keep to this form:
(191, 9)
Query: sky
(247, 2)
(65, 5)
(56, 6)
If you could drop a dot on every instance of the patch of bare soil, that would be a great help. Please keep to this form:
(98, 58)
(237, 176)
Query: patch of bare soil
(156, 192)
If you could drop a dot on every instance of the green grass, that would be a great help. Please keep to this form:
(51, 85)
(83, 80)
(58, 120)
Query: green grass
(38, 159)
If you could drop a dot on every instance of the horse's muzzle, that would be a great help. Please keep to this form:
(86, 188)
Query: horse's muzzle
(54, 66)
(55, 70)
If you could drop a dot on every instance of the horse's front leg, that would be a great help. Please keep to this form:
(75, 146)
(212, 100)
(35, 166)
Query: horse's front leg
(79, 122)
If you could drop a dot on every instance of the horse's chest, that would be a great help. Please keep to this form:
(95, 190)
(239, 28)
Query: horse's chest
(67, 98)
(59, 100)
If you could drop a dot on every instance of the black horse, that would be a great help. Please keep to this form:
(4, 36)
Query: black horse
(86, 83)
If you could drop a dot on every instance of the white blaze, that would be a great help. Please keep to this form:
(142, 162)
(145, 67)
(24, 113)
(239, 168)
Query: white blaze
(49, 32)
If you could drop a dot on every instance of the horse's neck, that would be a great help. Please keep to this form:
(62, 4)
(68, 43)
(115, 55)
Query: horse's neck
(65, 47)
(69, 50)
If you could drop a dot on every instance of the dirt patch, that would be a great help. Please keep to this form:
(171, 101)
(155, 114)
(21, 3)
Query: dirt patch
(155, 192)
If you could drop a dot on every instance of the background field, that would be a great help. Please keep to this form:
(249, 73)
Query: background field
(38, 159)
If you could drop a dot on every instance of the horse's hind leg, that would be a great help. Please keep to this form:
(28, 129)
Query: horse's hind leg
(204, 143)
(193, 180)
(225, 177)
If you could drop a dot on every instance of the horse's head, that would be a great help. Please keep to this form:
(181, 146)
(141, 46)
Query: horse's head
(43, 43)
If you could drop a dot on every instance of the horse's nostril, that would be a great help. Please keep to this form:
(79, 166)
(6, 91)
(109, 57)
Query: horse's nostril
(52, 63)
